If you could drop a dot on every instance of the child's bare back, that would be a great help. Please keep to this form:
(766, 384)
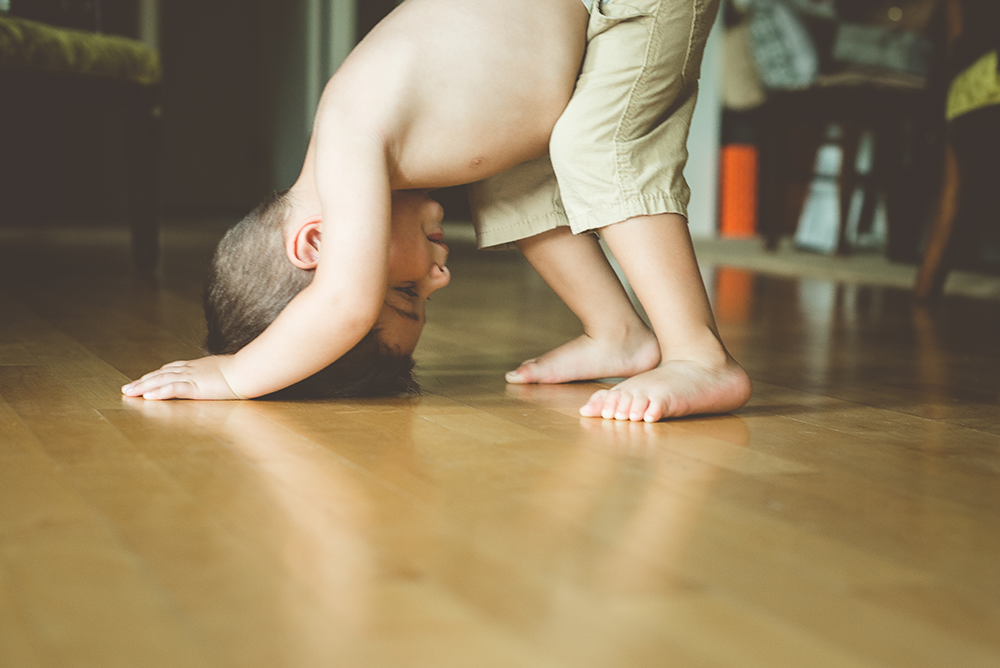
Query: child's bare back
(463, 89)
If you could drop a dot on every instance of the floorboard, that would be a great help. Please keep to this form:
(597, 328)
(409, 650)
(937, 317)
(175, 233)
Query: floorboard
(848, 516)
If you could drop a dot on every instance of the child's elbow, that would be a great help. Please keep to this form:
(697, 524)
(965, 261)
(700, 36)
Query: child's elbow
(355, 313)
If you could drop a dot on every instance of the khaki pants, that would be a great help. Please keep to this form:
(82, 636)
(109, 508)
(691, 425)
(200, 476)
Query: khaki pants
(619, 148)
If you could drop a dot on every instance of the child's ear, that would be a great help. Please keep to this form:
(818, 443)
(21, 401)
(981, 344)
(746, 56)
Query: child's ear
(303, 244)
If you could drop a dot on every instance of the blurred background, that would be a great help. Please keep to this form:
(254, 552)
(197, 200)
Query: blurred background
(240, 79)
(820, 123)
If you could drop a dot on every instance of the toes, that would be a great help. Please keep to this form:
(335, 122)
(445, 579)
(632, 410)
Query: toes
(655, 411)
(594, 405)
(523, 374)
(622, 408)
(637, 411)
(614, 405)
(617, 405)
(610, 405)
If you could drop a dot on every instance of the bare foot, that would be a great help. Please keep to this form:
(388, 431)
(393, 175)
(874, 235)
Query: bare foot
(586, 358)
(673, 389)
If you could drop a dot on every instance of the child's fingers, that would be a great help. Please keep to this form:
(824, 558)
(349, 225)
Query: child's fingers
(175, 390)
(161, 387)
(166, 368)
(151, 381)
(174, 365)
(197, 379)
(141, 386)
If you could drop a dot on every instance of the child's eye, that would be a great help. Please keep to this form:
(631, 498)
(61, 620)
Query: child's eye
(408, 291)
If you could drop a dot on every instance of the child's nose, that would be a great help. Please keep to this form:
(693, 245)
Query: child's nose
(439, 277)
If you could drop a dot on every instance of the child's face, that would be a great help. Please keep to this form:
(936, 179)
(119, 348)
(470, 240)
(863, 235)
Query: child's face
(416, 268)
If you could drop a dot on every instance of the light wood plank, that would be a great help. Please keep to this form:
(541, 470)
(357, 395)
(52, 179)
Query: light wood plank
(848, 516)
(81, 596)
(16, 646)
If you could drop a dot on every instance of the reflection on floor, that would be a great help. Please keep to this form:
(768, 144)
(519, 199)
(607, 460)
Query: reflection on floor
(864, 267)
(848, 516)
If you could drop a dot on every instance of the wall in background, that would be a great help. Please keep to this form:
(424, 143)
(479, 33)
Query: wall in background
(702, 170)
(218, 60)
(242, 79)
(316, 36)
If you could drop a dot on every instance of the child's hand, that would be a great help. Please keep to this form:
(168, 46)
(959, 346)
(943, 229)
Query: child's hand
(198, 379)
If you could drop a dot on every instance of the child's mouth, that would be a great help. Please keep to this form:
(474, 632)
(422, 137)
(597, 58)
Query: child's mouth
(438, 238)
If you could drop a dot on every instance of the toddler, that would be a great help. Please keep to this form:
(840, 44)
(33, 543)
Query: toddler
(568, 120)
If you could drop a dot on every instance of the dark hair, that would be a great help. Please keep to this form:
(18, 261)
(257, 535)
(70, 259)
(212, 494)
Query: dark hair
(251, 280)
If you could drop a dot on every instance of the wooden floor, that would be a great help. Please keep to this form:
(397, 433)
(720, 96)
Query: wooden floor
(849, 516)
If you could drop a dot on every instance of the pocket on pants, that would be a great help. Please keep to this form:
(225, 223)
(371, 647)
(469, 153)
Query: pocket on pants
(607, 14)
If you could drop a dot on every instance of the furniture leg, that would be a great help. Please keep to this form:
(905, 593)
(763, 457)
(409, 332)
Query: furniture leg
(847, 181)
(934, 268)
(143, 212)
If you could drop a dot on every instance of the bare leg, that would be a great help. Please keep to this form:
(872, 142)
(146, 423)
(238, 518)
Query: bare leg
(696, 374)
(615, 342)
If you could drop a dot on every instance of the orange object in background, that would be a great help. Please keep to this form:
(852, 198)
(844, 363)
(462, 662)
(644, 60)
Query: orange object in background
(734, 290)
(738, 186)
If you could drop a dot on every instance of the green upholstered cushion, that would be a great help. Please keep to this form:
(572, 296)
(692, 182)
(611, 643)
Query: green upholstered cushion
(30, 45)
(975, 87)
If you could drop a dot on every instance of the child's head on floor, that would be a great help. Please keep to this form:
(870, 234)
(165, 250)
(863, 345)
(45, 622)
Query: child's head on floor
(271, 255)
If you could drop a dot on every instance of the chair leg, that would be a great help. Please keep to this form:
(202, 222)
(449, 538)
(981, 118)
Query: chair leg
(847, 181)
(885, 161)
(768, 188)
(934, 268)
(143, 213)
(784, 160)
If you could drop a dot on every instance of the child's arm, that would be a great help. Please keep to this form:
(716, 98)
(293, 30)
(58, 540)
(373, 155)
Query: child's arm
(336, 310)
(343, 301)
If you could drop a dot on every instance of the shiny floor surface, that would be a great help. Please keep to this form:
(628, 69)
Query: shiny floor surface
(848, 516)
